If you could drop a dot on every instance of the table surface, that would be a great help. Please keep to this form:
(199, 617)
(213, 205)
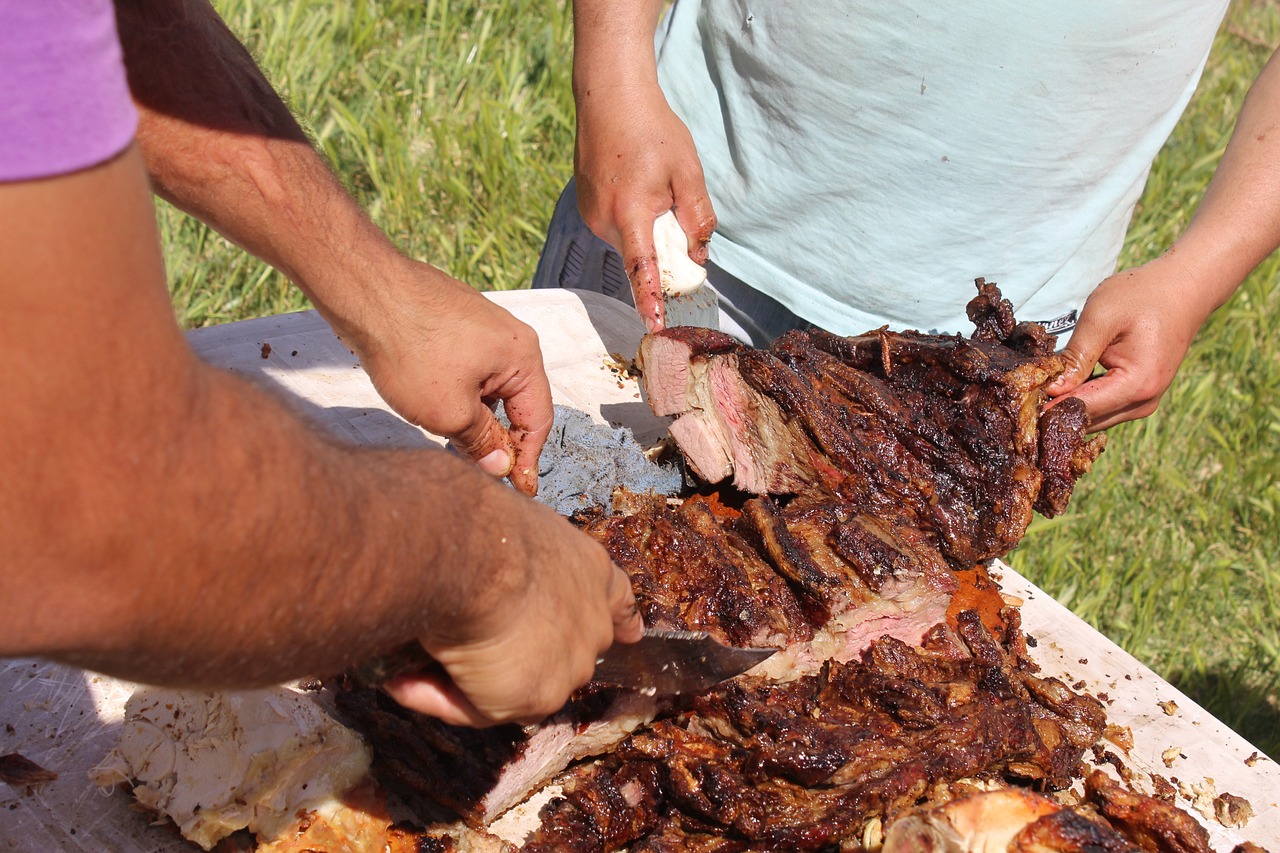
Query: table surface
(66, 720)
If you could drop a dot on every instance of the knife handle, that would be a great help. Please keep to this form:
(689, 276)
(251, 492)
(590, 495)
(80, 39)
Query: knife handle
(408, 659)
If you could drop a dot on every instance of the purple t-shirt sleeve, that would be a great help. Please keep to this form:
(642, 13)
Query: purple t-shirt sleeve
(64, 98)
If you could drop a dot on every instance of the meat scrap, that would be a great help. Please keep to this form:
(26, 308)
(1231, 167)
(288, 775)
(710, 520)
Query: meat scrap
(21, 772)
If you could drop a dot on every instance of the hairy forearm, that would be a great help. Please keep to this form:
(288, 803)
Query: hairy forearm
(164, 521)
(220, 144)
(225, 543)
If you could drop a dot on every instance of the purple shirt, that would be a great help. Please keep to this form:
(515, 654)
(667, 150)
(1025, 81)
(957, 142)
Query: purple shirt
(64, 98)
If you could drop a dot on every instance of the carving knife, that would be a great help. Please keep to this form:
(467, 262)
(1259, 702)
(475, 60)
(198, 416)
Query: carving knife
(662, 663)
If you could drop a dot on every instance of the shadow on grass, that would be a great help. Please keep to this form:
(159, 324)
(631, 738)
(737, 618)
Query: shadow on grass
(1250, 710)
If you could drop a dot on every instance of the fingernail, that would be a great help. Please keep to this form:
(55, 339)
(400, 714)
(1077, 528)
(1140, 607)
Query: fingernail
(497, 462)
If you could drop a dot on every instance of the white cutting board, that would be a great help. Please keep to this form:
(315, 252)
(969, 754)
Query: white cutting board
(66, 720)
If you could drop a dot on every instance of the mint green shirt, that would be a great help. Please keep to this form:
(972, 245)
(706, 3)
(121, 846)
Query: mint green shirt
(868, 159)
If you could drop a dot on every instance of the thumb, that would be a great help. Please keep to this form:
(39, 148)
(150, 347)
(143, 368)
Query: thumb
(435, 695)
(1082, 352)
(486, 441)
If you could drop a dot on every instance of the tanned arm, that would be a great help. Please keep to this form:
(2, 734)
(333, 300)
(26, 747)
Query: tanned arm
(634, 158)
(219, 143)
(1139, 323)
(166, 522)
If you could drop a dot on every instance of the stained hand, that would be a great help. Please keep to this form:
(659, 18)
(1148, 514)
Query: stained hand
(440, 354)
(634, 161)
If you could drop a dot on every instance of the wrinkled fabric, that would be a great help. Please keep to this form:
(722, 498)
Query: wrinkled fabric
(868, 160)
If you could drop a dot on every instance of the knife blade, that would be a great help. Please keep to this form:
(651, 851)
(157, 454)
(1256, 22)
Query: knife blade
(671, 663)
(686, 300)
(663, 663)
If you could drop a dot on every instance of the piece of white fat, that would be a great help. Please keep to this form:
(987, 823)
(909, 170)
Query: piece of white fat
(215, 763)
(677, 271)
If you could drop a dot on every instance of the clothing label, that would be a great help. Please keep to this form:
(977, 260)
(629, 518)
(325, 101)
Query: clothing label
(1064, 323)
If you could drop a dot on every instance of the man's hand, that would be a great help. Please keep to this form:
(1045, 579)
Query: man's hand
(634, 161)
(1138, 325)
(522, 646)
(439, 353)
(634, 158)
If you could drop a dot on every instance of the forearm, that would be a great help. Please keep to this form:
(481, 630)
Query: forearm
(168, 523)
(613, 46)
(220, 144)
(250, 550)
(1237, 223)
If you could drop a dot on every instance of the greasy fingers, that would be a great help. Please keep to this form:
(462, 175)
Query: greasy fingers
(530, 411)
(486, 441)
(695, 214)
(627, 624)
(640, 260)
(1115, 397)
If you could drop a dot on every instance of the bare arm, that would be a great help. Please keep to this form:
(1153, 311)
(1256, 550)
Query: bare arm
(634, 159)
(1139, 323)
(220, 144)
(166, 522)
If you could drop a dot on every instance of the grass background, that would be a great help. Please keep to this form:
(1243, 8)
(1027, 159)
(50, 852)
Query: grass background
(452, 122)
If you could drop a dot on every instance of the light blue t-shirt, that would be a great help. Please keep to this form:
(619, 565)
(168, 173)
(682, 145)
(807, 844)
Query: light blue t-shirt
(869, 159)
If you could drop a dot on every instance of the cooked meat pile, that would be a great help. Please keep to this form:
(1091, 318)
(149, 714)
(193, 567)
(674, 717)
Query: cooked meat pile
(871, 472)
(808, 765)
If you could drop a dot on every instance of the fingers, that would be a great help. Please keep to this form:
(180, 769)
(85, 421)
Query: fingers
(627, 624)
(436, 695)
(486, 441)
(1114, 398)
(640, 260)
(532, 414)
(698, 220)
(1082, 353)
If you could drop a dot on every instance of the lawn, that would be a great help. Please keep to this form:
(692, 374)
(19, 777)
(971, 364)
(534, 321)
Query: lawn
(452, 122)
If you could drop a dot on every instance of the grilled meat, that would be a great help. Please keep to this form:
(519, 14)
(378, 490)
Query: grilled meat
(941, 434)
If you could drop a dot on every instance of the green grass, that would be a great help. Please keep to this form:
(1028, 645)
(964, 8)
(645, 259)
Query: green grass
(453, 124)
